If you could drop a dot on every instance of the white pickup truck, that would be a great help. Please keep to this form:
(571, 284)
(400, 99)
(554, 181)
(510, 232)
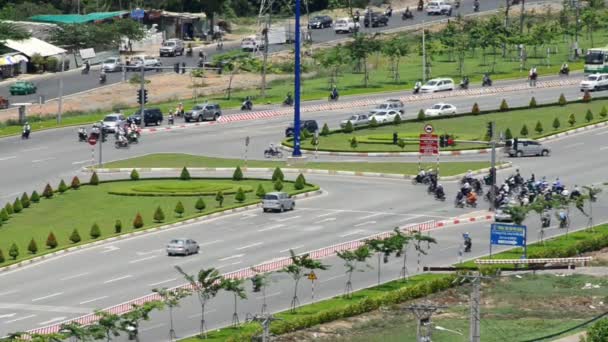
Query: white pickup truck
(595, 82)
(438, 7)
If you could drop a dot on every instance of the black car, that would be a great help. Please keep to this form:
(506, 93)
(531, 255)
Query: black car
(377, 19)
(309, 125)
(320, 21)
(151, 116)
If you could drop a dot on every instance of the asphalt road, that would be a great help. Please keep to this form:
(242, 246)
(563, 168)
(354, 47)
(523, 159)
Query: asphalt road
(75, 82)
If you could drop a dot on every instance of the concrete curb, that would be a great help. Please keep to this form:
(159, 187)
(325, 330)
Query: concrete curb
(387, 154)
(575, 131)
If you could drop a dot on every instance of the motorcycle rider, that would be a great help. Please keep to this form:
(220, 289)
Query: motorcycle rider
(407, 13)
(466, 189)
(464, 83)
(121, 136)
(389, 11)
(417, 87)
(563, 218)
(487, 81)
(576, 192)
(27, 129)
(439, 192)
(334, 94)
(468, 243)
(546, 218)
(273, 149)
(471, 198)
(565, 69)
(247, 104)
(356, 16)
(288, 100)
(421, 175)
(82, 134)
(102, 76)
(476, 6)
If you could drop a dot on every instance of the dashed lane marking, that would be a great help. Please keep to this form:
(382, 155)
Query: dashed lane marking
(249, 246)
(276, 226)
(163, 282)
(56, 319)
(364, 223)
(93, 300)
(46, 297)
(326, 220)
(19, 319)
(117, 279)
(292, 248)
(75, 276)
(236, 256)
(143, 259)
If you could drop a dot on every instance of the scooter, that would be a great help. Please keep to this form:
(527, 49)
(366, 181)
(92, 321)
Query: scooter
(464, 84)
(416, 90)
(420, 6)
(273, 153)
(121, 144)
(133, 138)
(288, 101)
(407, 15)
(247, 105)
(487, 81)
(82, 136)
(546, 219)
(25, 134)
(468, 243)
(333, 97)
(476, 7)
(388, 12)
(102, 78)
(564, 71)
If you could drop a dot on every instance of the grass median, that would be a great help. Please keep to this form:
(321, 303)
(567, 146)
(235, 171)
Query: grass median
(178, 160)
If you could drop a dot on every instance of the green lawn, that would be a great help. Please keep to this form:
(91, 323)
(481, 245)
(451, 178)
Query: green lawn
(79, 209)
(177, 160)
(470, 127)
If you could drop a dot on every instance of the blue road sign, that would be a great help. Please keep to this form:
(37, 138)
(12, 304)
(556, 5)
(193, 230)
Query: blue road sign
(137, 14)
(508, 235)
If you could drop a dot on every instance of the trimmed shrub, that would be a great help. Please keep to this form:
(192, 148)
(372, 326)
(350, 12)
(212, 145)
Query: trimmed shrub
(598, 332)
(159, 216)
(32, 247)
(75, 183)
(397, 119)
(138, 222)
(508, 134)
(556, 123)
(94, 179)
(300, 182)
(35, 198)
(179, 209)
(421, 116)
(348, 128)
(134, 175)
(572, 120)
(325, 130)
(95, 231)
(589, 116)
(401, 143)
(524, 131)
(48, 191)
(25, 200)
(238, 174)
(304, 134)
(185, 175)
(260, 192)
(353, 142)
(1, 257)
(17, 207)
(532, 103)
(219, 198)
(539, 127)
(75, 236)
(562, 100)
(373, 123)
(117, 227)
(200, 205)
(62, 187)
(504, 106)
(278, 174)
(13, 252)
(240, 195)
(9, 208)
(587, 96)
(278, 185)
(3, 215)
(475, 110)
(603, 112)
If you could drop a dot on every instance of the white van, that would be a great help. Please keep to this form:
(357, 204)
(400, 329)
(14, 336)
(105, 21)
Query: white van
(438, 84)
(345, 25)
(595, 82)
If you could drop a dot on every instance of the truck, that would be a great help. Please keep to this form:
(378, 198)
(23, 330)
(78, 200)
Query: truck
(284, 34)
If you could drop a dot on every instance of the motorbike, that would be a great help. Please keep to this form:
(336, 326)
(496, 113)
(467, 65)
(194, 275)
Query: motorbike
(133, 138)
(201, 63)
(333, 96)
(247, 105)
(288, 101)
(82, 136)
(476, 7)
(464, 84)
(121, 144)
(85, 70)
(564, 222)
(420, 6)
(546, 219)
(25, 134)
(388, 12)
(564, 71)
(461, 201)
(407, 15)
(439, 194)
(487, 81)
(468, 243)
(170, 120)
(102, 79)
(273, 152)
(416, 89)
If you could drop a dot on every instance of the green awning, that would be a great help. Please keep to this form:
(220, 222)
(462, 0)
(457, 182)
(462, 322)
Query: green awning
(76, 18)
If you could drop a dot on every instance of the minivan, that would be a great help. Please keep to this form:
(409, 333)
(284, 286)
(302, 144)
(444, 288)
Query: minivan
(438, 84)
(172, 47)
(524, 147)
(310, 125)
(151, 116)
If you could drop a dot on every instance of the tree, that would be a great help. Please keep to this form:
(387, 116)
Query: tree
(4, 215)
(297, 268)
(373, 123)
(474, 110)
(571, 120)
(35, 197)
(185, 175)
(206, 285)
(236, 287)
(138, 222)
(359, 50)
(589, 116)
(12, 31)
(134, 175)
(603, 112)
(598, 332)
(556, 123)
(200, 205)
(395, 49)
(351, 260)
(9, 208)
(62, 187)
(278, 185)
(419, 238)
(94, 179)
(397, 120)
(508, 134)
(592, 20)
(524, 130)
(260, 192)
(504, 106)
(159, 216)
(240, 195)
(51, 241)
(219, 198)
(75, 37)
(325, 130)
(1, 257)
(383, 249)
(131, 29)
(518, 213)
(75, 331)
(532, 103)
(238, 174)
(129, 322)
(400, 242)
(117, 227)
(32, 247)
(539, 127)
(13, 252)
(278, 175)
(48, 191)
(170, 299)
(421, 116)
(75, 183)
(300, 182)
(179, 209)
(25, 200)
(75, 236)
(107, 325)
(540, 205)
(17, 207)
(95, 231)
(562, 100)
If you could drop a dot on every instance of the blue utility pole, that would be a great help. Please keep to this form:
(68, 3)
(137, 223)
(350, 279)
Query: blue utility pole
(296, 105)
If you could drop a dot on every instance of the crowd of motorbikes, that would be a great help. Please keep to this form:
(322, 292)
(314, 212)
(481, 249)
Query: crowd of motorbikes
(124, 135)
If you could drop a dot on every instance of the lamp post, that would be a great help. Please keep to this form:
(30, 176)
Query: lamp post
(296, 104)
(60, 102)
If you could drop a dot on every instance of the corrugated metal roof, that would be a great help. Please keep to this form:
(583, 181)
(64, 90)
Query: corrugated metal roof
(76, 18)
(32, 46)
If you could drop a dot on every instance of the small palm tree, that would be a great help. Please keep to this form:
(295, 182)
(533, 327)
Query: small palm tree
(171, 298)
(297, 269)
(236, 287)
(107, 326)
(401, 243)
(351, 259)
(384, 248)
(76, 332)
(129, 322)
(418, 240)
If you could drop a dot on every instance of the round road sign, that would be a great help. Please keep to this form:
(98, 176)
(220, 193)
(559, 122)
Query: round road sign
(92, 141)
(428, 128)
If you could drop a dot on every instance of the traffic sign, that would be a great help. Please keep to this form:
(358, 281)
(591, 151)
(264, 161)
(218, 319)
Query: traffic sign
(507, 235)
(429, 144)
(137, 14)
(92, 141)
(428, 129)
(312, 276)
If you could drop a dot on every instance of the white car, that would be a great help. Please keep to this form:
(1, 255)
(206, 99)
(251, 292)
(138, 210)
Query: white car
(251, 44)
(146, 61)
(390, 104)
(384, 115)
(112, 64)
(438, 84)
(438, 7)
(440, 109)
(345, 25)
(595, 82)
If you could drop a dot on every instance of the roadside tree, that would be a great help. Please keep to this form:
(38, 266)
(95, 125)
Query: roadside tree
(297, 270)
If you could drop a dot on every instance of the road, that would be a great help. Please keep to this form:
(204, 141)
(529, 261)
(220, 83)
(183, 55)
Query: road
(75, 82)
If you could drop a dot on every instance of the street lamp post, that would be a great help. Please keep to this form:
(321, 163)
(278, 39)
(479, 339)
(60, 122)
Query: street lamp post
(296, 105)
(60, 102)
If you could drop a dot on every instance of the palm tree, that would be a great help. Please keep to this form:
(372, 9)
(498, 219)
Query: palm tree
(259, 282)
(418, 240)
(590, 193)
(401, 242)
(236, 287)
(351, 259)
(129, 322)
(171, 298)
(106, 327)
(206, 285)
(539, 206)
(384, 248)
(47, 338)
(297, 269)
(76, 332)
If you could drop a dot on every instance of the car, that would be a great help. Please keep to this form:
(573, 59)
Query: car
(182, 246)
(310, 125)
(172, 47)
(112, 121)
(438, 7)
(376, 18)
(356, 120)
(440, 109)
(152, 116)
(345, 25)
(595, 82)
(320, 21)
(112, 64)
(22, 88)
(384, 115)
(277, 201)
(438, 84)
(148, 62)
(205, 111)
(501, 214)
(525, 147)
(391, 104)
(251, 44)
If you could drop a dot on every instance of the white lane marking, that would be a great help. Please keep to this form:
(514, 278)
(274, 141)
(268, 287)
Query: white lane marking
(364, 223)
(43, 160)
(603, 148)
(7, 158)
(56, 319)
(81, 162)
(117, 279)
(149, 252)
(93, 300)
(110, 249)
(293, 248)
(602, 133)
(236, 256)
(152, 327)
(75, 276)
(268, 295)
(249, 246)
(199, 314)
(8, 292)
(287, 219)
(323, 215)
(49, 296)
(248, 216)
(226, 265)
(143, 259)
(332, 278)
(370, 216)
(271, 227)
(354, 232)
(35, 149)
(162, 282)
(210, 243)
(8, 315)
(574, 145)
(19, 319)
(326, 220)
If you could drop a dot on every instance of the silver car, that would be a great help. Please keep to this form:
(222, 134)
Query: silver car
(112, 64)
(182, 246)
(112, 121)
(277, 201)
(524, 147)
(356, 120)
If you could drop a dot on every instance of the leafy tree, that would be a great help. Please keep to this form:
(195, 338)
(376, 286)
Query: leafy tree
(17, 207)
(395, 49)
(508, 134)
(539, 127)
(75, 331)
(260, 192)
(325, 130)
(107, 326)
(13, 252)
(159, 216)
(524, 130)
(131, 29)
(134, 175)
(278, 175)
(518, 213)
(62, 187)
(475, 110)
(297, 268)
(556, 123)
(51, 241)
(359, 50)
(504, 106)
(75, 183)
(80, 36)
(278, 185)
(219, 198)
(238, 174)
(589, 116)
(129, 322)
(94, 179)
(4, 215)
(48, 191)
(353, 142)
(1, 257)
(185, 175)
(32, 247)
(138, 222)
(25, 200)
(348, 128)
(179, 209)
(12, 31)
(200, 205)
(598, 332)
(418, 239)
(421, 116)
(240, 195)
(117, 227)
(236, 287)
(95, 231)
(35, 197)
(9, 208)
(383, 249)
(562, 100)
(603, 112)
(571, 120)
(75, 236)
(351, 260)
(532, 103)
(170, 299)
(206, 285)
(333, 59)
(300, 182)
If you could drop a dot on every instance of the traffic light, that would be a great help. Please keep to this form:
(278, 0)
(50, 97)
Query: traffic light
(490, 130)
(145, 95)
(183, 67)
(139, 96)
(142, 96)
(176, 68)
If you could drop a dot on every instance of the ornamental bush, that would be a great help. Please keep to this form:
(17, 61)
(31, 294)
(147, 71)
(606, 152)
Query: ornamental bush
(75, 236)
(508, 134)
(532, 103)
(32, 247)
(51, 241)
(598, 332)
(278, 185)
(475, 110)
(179, 209)
(134, 175)
(562, 100)
(13, 252)
(219, 198)
(238, 174)
(9, 208)
(300, 182)
(504, 106)
(200, 205)
(3, 215)
(159, 216)
(75, 183)
(325, 130)
(589, 116)
(48, 191)
(117, 227)
(539, 127)
(603, 112)
(138, 222)
(25, 200)
(95, 231)
(260, 192)
(35, 198)
(401, 143)
(17, 207)
(524, 131)
(556, 123)
(421, 116)
(278, 174)
(62, 187)
(240, 195)
(185, 175)
(373, 123)
(94, 179)
(353, 142)
(397, 120)
(572, 120)
(348, 128)
(1, 257)
(587, 96)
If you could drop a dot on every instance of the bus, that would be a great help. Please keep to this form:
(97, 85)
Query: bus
(596, 60)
